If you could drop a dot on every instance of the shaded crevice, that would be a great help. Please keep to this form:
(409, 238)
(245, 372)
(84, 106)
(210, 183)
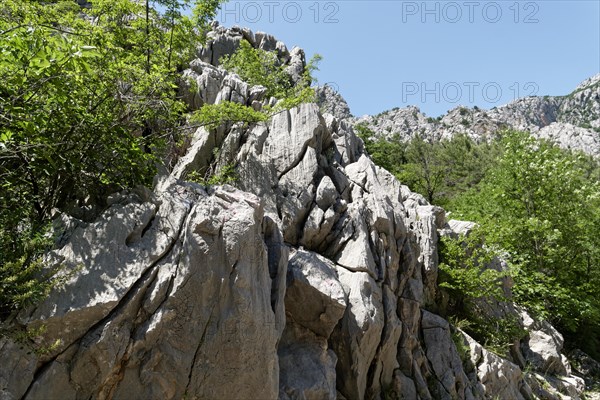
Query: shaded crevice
(432, 375)
(139, 231)
(302, 223)
(296, 161)
(232, 273)
(372, 368)
(359, 185)
(147, 228)
(334, 248)
(366, 270)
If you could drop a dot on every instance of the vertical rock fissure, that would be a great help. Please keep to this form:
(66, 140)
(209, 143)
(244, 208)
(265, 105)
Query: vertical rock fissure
(200, 343)
(144, 280)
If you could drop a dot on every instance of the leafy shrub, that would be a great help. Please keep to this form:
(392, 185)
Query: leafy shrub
(225, 175)
(214, 115)
(475, 289)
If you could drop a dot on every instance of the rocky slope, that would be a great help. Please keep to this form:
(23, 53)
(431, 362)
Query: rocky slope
(572, 121)
(313, 278)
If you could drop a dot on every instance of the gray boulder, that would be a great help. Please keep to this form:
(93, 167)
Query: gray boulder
(177, 302)
(314, 297)
(542, 347)
(497, 377)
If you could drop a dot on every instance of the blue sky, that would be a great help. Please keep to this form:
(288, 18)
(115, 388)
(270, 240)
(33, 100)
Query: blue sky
(435, 54)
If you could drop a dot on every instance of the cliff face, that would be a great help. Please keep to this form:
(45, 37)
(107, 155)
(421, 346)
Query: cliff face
(314, 278)
(572, 121)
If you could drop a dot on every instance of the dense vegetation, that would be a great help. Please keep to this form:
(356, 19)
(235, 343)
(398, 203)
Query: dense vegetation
(536, 205)
(89, 105)
(437, 170)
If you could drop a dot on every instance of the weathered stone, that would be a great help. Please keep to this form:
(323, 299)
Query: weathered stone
(499, 377)
(405, 386)
(220, 42)
(197, 320)
(18, 368)
(307, 366)
(542, 347)
(314, 297)
(445, 360)
(326, 193)
(330, 101)
(386, 358)
(356, 254)
(357, 336)
(291, 133)
(296, 64)
(201, 84)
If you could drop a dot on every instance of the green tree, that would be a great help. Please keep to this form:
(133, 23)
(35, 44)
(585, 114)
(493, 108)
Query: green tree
(540, 206)
(475, 288)
(87, 101)
(386, 153)
(438, 170)
(424, 170)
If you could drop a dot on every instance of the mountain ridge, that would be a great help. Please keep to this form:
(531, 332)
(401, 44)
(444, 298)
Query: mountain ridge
(572, 121)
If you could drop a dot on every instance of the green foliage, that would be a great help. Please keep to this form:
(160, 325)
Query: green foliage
(388, 154)
(438, 170)
(475, 289)
(226, 175)
(462, 347)
(23, 280)
(300, 96)
(463, 264)
(87, 102)
(213, 115)
(424, 170)
(260, 67)
(31, 338)
(539, 205)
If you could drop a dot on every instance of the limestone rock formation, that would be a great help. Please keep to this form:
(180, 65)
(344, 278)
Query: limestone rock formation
(179, 294)
(497, 377)
(314, 278)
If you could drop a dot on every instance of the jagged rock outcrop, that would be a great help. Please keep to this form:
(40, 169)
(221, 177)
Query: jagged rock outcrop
(223, 41)
(176, 294)
(494, 375)
(331, 102)
(314, 278)
(572, 121)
